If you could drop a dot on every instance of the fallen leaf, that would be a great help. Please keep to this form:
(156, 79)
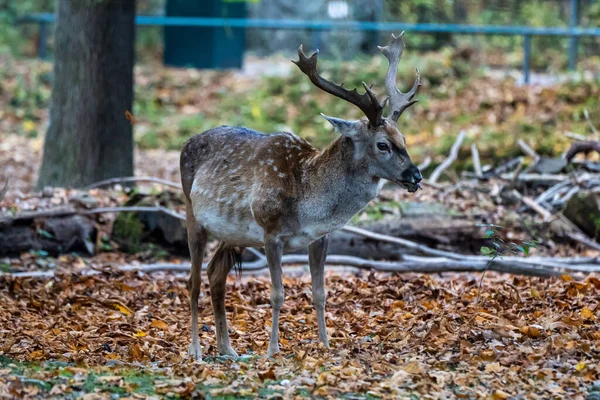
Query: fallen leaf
(586, 313)
(156, 323)
(413, 368)
(500, 395)
(35, 355)
(120, 307)
(268, 374)
(494, 367)
(530, 331)
(136, 353)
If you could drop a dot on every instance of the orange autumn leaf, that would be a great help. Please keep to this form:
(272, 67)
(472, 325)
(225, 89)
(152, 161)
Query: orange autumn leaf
(130, 117)
(156, 323)
(121, 308)
(500, 395)
(37, 354)
(530, 331)
(586, 313)
(136, 353)
(268, 374)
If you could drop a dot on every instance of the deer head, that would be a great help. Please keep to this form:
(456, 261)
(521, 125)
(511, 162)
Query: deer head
(376, 139)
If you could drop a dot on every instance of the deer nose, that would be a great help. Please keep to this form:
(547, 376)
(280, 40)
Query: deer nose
(417, 175)
(412, 174)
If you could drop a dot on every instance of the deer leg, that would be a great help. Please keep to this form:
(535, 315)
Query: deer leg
(197, 238)
(274, 251)
(217, 271)
(317, 252)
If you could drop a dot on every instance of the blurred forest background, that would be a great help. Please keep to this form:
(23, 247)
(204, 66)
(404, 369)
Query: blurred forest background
(268, 94)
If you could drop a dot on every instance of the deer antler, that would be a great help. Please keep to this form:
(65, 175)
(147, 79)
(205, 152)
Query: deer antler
(367, 102)
(398, 101)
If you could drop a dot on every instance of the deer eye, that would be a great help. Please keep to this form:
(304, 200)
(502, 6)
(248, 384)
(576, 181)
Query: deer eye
(383, 146)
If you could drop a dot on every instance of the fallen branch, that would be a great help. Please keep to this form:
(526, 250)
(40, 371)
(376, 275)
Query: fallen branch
(451, 158)
(552, 191)
(545, 214)
(135, 209)
(589, 121)
(29, 215)
(506, 167)
(4, 190)
(528, 150)
(426, 162)
(583, 239)
(125, 179)
(476, 161)
(69, 211)
(576, 136)
(416, 264)
(582, 147)
(549, 179)
(541, 261)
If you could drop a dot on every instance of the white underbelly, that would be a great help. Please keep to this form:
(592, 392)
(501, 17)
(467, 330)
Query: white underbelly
(247, 233)
(234, 230)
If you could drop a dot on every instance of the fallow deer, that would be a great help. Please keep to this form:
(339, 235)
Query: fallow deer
(250, 189)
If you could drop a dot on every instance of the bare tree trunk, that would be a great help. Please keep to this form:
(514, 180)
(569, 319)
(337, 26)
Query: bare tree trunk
(89, 137)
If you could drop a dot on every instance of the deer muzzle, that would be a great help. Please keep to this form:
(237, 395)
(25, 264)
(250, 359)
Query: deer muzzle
(411, 178)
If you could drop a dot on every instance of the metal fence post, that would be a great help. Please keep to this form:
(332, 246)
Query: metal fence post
(573, 41)
(526, 58)
(316, 39)
(42, 48)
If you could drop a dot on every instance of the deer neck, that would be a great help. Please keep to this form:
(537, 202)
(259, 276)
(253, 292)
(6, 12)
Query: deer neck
(338, 176)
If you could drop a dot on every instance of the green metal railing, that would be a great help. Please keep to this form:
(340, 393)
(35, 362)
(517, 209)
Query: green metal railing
(574, 32)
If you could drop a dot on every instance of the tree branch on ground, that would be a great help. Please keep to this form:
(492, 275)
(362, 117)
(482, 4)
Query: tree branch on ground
(4, 190)
(126, 179)
(435, 175)
(589, 122)
(416, 264)
(476, 161)
(582, 147)
(426, 162)
(528, 150)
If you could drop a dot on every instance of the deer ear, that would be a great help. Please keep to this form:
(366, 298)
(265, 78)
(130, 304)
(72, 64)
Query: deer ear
(346, 128)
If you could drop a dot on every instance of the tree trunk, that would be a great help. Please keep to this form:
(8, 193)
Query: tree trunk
(89, 138)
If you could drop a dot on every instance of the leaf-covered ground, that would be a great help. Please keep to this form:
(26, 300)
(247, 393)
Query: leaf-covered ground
(401, 336)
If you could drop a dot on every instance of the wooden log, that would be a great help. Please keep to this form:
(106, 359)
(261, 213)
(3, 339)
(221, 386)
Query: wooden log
(55, 235)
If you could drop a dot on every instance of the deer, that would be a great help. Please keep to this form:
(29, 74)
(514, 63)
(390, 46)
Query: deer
(278, 192)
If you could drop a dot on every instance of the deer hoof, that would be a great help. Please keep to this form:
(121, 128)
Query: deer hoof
(195, 351)
(228, 351)
(272, 350)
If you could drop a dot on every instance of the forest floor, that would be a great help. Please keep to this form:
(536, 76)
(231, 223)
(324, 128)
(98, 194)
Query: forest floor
(400, 336)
